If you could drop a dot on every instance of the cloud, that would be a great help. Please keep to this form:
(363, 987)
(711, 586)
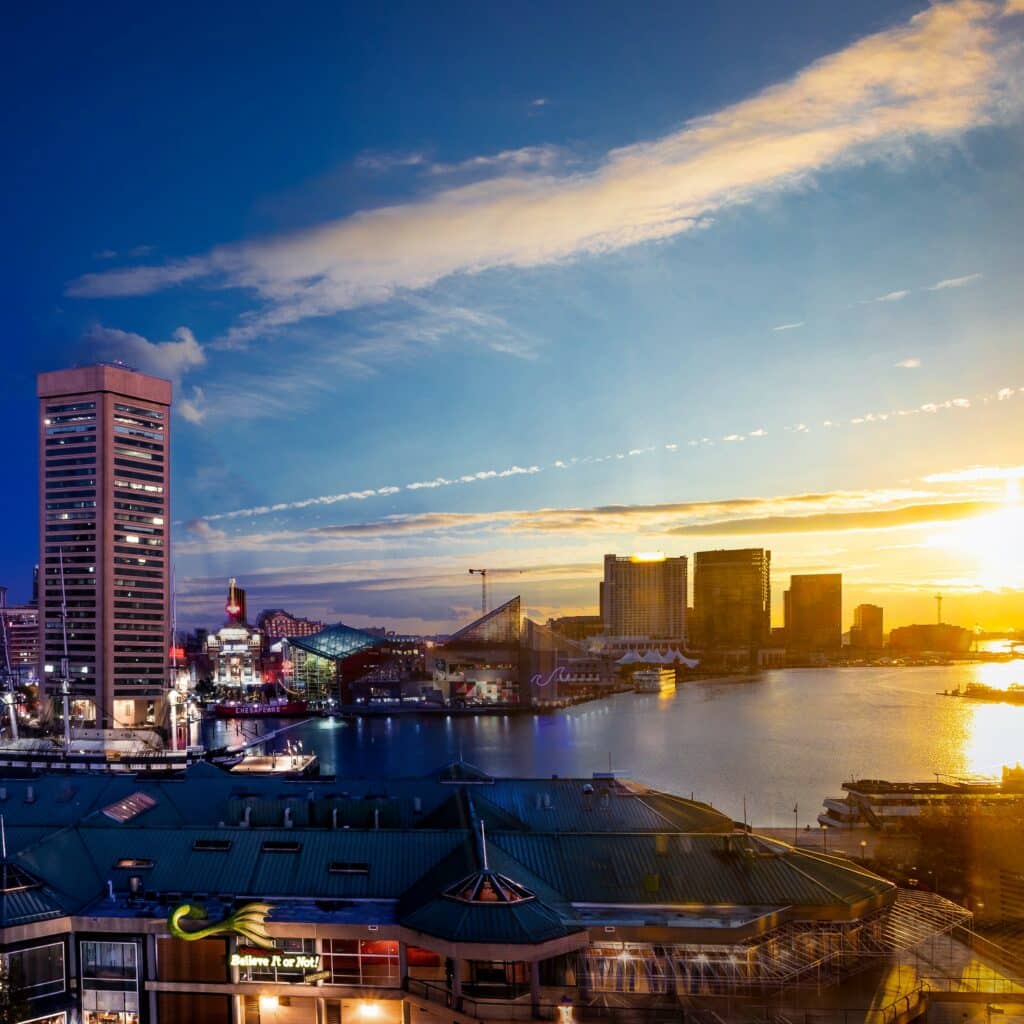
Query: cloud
(953, 282)
(881, 519)
(168, 359)
(586, 522)
(789, 327)
(976, 474)
(509, 160)
(476, 476)
(389, 161)
(856, 104)
(193, 407)
(908, 364)
(891, 296)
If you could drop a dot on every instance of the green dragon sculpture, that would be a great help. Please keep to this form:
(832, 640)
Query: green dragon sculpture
(248, 921)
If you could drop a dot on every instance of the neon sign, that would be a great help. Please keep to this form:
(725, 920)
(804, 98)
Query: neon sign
(277, 961)
(556, 675)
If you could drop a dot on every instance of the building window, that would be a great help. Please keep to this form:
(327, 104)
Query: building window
(497, 979)
(38, 971)
(362, 962)
(110, 982)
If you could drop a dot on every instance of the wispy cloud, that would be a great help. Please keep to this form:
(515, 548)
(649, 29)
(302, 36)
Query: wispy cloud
(383, 162)
(827, 522)
(193, 405)
(510, 160)
(977, 474)
(852, 105)
(664, 519)
(168, 359)
(908, 364)
(789, 327)
(866, 419)
(892, 296)
(953, 282)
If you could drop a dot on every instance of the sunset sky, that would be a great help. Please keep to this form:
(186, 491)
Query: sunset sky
(515, 285)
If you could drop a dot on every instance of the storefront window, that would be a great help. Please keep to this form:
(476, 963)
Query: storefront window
(110, 982)
(39, 971)
(362, 962)
(497, 979)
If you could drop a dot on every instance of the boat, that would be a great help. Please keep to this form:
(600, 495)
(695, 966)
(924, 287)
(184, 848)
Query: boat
(1013, 694)
(274, 708)
(655, 680)
(884, 805)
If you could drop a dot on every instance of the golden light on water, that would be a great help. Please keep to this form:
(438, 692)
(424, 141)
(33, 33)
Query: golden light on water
(994, 733)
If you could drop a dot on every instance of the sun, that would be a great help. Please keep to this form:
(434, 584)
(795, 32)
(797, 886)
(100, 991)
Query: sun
(993, 544)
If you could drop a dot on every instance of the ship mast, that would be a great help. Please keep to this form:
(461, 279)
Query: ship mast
(172, 691)
(65, 682)
(10, 697)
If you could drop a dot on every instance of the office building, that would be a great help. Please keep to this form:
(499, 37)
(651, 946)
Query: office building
(450, 896)
(276, 623)
(104, 444)
(577, 627)
(939, 637)
(814, 612)
(866, 631)
(732, 598)
(19, 639)
(644, 596)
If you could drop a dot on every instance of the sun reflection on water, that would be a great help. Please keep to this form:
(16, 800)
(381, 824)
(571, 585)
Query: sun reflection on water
(994, 733)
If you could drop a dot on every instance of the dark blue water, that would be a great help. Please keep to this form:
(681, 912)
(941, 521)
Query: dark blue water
(789, 737)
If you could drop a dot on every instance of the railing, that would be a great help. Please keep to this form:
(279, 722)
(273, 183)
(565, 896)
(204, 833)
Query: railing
(905, 1008)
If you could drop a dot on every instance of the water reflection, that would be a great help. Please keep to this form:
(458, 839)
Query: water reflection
(789, 737)
(994, 738)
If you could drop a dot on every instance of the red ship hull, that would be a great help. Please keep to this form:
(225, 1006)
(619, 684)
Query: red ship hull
(272, 709)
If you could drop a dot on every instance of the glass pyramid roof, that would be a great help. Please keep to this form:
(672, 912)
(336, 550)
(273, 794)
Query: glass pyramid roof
(337, 642)
(488, 887)
(501, 625)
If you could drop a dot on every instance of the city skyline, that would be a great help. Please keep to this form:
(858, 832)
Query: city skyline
(468, 336)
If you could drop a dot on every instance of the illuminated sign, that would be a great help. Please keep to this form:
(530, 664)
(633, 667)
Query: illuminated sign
(280, 961)
(249, 921)
(556, 675)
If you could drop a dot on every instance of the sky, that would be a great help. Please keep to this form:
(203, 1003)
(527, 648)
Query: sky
(454, 286)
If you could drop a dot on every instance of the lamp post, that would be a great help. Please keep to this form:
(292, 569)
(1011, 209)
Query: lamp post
(863, 850)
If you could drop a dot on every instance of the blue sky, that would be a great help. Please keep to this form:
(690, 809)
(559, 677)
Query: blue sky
(664, 258)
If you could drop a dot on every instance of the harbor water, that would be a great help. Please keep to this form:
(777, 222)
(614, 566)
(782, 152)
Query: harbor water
(784, 739)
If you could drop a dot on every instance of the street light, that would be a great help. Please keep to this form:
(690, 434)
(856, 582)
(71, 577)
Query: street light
(863, 849)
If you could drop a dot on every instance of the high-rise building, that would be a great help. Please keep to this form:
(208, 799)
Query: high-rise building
(644, 596)
(866, 632)
(19, 639)
(732, 598)
(104, 450)
(814, 612)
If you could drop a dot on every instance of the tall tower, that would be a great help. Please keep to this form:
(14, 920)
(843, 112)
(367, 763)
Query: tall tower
(732, 597)
(644, 596)
(104, 499)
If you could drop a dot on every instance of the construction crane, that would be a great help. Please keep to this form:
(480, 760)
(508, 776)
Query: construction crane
(482, 573)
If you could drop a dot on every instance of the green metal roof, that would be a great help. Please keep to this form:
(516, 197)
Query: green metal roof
(697, 870)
